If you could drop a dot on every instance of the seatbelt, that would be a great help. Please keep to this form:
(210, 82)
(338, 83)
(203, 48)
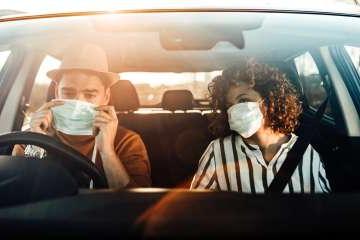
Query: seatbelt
(93, 160)
(296, 153)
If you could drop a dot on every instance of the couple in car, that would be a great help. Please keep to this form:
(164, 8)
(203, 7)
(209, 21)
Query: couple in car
(259, 113)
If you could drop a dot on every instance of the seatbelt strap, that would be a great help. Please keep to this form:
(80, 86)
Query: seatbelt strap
(93, 159)
(296, 153)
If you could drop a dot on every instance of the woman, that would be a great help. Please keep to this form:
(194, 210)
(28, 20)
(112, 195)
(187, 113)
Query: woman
(259, 113)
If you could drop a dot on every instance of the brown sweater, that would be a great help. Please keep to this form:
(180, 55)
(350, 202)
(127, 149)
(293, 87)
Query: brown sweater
(129, 148)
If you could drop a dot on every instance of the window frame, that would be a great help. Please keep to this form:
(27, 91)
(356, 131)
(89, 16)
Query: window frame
(6, 60)
(315, 55)
(8, 73)
(351, 62)
(348, 71)
(34, 68)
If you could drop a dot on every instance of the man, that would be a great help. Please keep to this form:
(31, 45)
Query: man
(83, 75)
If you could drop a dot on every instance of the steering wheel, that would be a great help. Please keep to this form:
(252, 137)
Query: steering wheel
(56, 148)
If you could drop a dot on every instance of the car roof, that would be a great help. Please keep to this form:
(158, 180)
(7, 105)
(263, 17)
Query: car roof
(319, 6)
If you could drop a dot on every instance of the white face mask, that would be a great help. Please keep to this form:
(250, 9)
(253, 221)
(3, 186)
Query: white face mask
(74, 117)
(245, 118)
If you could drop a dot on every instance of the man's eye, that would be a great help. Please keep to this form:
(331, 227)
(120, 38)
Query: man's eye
(89, 95)
(69, 94)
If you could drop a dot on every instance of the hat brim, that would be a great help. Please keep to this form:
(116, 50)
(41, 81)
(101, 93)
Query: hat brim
(110, 77)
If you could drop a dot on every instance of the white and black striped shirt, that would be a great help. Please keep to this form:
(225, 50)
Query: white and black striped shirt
(229, 164)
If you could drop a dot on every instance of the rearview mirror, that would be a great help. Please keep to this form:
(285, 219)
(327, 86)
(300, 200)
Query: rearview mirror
(199, 38)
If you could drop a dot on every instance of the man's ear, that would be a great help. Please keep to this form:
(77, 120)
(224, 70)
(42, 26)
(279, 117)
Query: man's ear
(56, 90)
(107, 96)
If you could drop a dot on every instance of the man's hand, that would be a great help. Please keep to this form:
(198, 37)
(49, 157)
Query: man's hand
(40, 121)
(105, 124)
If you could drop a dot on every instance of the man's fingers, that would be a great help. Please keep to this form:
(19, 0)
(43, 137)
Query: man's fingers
(105, 115)
(42, 124)
(37, 130)
(108, 109)
(99, 125)
(51, 104)
(102, 120)
(104, 108)
(39, 120)
(41, 114)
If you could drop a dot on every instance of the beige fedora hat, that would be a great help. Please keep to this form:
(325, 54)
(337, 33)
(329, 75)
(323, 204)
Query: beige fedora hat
(88, 58)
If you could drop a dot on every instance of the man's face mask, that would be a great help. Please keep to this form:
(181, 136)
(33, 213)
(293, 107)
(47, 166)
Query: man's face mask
(74, 117)
(245, 118)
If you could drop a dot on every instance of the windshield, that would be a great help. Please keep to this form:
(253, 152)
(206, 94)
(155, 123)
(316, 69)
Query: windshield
(143, 48)
(192, 100)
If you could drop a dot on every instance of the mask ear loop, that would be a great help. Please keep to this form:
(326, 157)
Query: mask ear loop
(93, 159)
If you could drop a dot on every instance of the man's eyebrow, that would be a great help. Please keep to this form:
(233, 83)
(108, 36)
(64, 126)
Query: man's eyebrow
(68, 89)
(91, 90)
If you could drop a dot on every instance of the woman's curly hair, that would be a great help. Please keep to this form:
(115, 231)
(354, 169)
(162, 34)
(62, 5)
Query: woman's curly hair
(281, 100)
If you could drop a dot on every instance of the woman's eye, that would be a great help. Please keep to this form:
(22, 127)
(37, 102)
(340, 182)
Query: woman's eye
(242, 100)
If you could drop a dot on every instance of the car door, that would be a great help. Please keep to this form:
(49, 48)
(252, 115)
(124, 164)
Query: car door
(345, 154)
(332, 139)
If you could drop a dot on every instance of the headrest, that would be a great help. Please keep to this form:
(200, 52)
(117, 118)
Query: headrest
(124, 96)
(177, 100)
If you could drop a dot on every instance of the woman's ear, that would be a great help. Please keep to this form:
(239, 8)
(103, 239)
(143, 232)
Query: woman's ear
(262, 105)
(263, 108)
(252, 83)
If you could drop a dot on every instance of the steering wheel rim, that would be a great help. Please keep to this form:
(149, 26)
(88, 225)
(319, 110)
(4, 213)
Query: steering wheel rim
(55, 146)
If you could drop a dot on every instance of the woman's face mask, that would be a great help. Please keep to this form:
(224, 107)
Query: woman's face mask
(245, 118)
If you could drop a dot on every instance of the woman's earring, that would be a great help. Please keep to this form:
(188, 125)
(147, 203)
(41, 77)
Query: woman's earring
(252, 83)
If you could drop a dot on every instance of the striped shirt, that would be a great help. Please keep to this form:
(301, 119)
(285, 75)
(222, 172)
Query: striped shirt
(230, 164)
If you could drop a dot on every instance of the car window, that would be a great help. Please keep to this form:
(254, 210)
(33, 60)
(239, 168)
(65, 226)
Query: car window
(152, 85)
(39, 91)
(311, 81)
(3, 57)
(354, 53)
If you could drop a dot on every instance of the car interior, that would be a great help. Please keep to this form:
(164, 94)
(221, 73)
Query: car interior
(176, 138)
(177, 133)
